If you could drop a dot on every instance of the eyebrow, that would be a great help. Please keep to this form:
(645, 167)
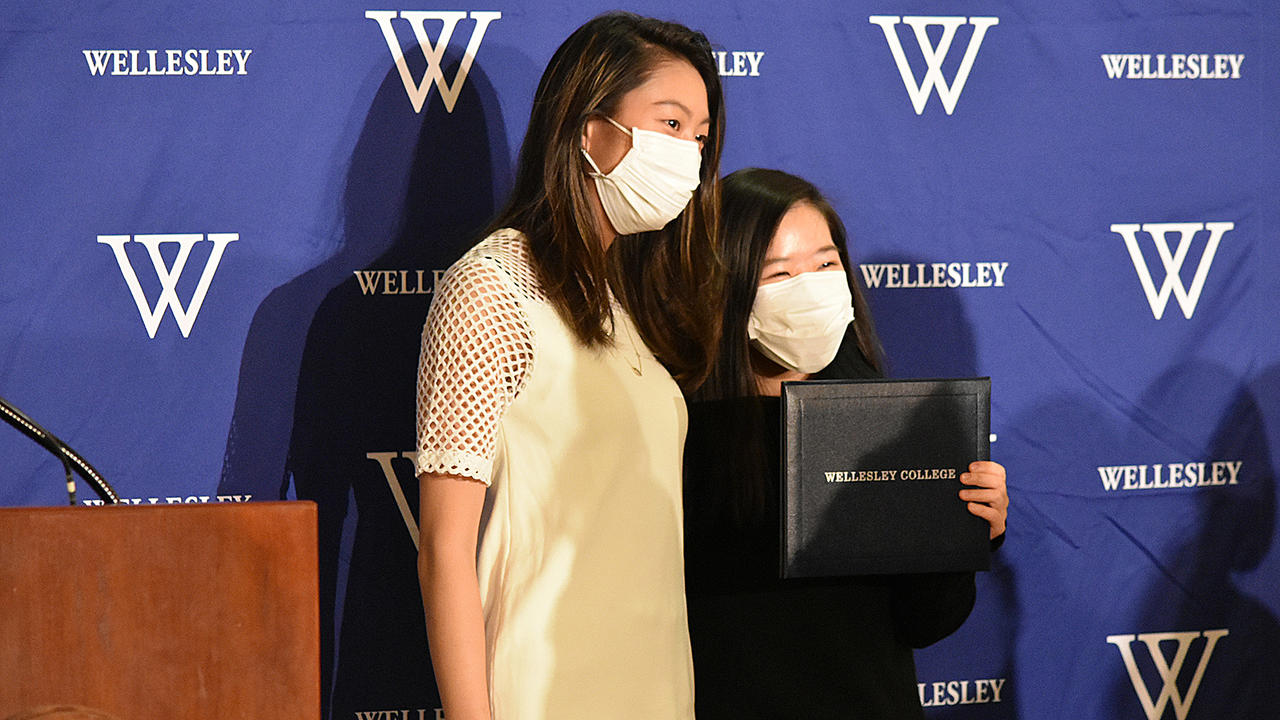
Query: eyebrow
(784, 258)
(681, 106)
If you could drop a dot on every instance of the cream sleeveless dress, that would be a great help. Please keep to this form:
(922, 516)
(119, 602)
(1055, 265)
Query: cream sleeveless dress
(581, 552)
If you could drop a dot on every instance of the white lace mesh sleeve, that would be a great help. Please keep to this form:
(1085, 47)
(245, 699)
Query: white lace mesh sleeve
(477, 350)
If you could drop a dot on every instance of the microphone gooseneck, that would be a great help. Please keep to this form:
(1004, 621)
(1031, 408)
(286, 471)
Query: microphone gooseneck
(70, 458)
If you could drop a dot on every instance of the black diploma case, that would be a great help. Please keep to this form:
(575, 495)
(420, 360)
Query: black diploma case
(870, 476)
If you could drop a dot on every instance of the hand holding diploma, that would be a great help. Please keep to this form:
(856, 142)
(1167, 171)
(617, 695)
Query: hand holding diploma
(987, 495)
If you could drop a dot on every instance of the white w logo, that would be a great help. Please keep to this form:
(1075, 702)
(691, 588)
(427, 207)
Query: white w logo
(934, 55)
(169, 276)
(1172, 261)
(433, 52)
(1168, 671)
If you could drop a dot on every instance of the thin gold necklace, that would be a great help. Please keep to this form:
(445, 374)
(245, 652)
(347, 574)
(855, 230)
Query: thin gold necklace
(635, 348)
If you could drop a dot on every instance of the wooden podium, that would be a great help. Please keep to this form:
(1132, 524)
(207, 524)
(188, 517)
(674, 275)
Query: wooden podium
(164, 611)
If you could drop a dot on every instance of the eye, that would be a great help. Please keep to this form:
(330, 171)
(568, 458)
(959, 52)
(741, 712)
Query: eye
(828, 264)
(701, 139)
(673, 124)
(779, 274)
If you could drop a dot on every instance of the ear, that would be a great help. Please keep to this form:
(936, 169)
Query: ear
(591, 133)
(604, 143)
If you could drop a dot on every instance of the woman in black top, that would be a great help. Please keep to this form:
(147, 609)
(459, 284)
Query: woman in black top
(765, 647)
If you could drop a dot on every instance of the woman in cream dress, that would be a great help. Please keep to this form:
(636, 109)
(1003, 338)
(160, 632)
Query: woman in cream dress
(550, 415)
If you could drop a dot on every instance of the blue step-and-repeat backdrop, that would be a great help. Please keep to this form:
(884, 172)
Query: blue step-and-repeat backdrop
(221, 225)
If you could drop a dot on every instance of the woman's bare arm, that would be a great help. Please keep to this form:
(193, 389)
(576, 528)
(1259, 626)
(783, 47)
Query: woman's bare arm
(449, 510)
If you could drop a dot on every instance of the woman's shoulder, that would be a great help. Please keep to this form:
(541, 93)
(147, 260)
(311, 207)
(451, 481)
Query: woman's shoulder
(489, 289)
(500, 262)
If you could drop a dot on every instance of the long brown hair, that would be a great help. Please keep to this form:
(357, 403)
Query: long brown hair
(667, 279)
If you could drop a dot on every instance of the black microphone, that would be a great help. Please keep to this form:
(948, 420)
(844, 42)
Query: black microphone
(70, 458)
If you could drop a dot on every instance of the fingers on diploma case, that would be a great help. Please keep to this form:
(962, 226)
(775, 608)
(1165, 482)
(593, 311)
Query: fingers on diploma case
(871, 475)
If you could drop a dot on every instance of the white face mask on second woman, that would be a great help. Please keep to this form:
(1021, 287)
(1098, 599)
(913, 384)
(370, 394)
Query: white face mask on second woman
(800, 322)
(652, 183)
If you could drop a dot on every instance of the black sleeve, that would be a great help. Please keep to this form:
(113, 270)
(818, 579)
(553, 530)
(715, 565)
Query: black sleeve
(930, 606)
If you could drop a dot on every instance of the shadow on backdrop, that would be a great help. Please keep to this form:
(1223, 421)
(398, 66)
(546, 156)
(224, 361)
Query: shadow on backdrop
(418, 190)
(1219, 532)
(1097, 562)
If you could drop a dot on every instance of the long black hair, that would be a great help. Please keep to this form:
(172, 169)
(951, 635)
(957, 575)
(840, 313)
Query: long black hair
(738, 478)
(665, 279)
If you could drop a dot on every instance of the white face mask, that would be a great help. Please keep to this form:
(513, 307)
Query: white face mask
(652, 183)
(800, 322)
